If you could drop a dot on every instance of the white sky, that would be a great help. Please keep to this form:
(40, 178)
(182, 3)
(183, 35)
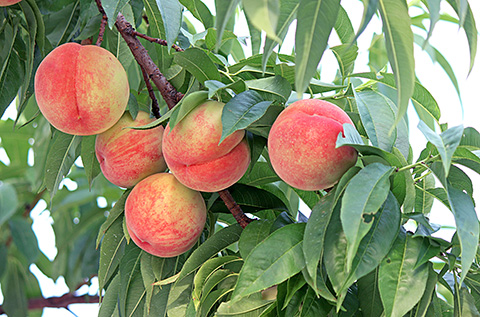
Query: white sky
(447, 38)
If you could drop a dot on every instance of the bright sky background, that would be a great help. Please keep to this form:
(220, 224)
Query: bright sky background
(447, 38)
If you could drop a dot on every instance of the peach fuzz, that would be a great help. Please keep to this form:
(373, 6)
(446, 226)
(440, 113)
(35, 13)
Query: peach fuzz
(194, 156)
(163, 217)
(6, 3)
(127, 156)
(81, 90)
(302, 143)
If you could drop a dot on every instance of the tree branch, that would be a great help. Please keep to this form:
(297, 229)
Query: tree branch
(158, 41)
(58, 302)
(234, 208)
(155, 107)
(103, 23)
(168, 92)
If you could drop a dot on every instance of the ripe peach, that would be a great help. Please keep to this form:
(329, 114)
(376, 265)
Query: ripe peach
(194, 156)
(6, 3)
(301, 145)
(127, 156)
(163, 217)
(81, 90)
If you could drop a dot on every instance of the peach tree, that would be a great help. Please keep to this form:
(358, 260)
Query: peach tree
(360, 244)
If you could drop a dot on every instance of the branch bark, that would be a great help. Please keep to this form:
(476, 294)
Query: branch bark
(58, 302)
(168, 92)
(234, 208)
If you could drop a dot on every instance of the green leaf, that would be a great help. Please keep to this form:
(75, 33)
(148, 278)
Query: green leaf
(288, 11)
(89, 159)
(277, 258)
(378, 241)
(434, 13)
(370, 7)
(271, 88)
(364, 195)
(171, 11)
(11, 75)
(252, 235)
(8, 201)
(469, 26)
(446, 142)
(60, 159)
(263, 15)
(241, 111)
(216, 243)
(131, 282)
(401, 285)
(185, 106)
(424, 201)
(24, 238)
(114, 213)
(197, 62)
(252, 305)
(110, 298)
(180, 296)
(314, 237)
(346, 54)
(425, 105)
(224, 10)
(376, 112)
(206, 271)
(15, 301)
(369, 296)
(199, 11)
(344, 29)
(399, 43)
(426, 299)
(111, 252)
(315, 21)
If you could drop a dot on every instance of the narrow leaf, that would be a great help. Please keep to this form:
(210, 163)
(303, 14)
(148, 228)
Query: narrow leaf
(399, 43)
(60, 159)
(197, 62)
(216, 243)
(241, 111)
(171, 11)
(364, 195)
(224, 9)
(315, 21)
(401, 285)
(277, 258)
(89, 159)
(370, 7)
(263, 14)
(446, 142)
(376, 112)
(8, 201)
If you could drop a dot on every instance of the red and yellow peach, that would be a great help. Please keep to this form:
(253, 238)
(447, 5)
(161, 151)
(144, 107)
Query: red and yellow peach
(163, 217)
(81, 90)
(127, 156)
(302, 145)
(194, 155)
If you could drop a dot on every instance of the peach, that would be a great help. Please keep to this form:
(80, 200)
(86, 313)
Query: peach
(194, 156)
(6, 3)
(301, 145)
(127, 156)
(81, 90)
(163, 217)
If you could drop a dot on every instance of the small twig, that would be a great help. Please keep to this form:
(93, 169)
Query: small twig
(234, 208)
(29, 207)
(158, 41)
(103, 23)
(58, 302)
(168, 92)
(155, 107)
